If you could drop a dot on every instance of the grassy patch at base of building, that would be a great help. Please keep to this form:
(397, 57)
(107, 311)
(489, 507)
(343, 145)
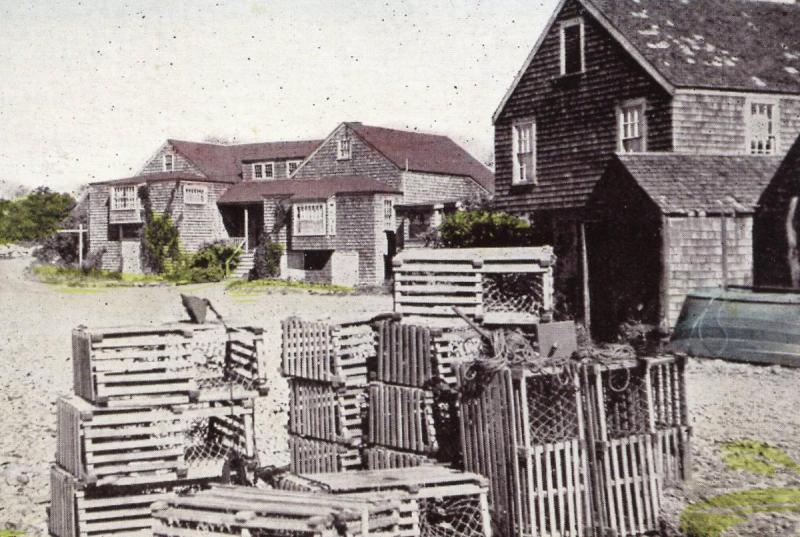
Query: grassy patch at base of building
(246, 287)
(72, 277)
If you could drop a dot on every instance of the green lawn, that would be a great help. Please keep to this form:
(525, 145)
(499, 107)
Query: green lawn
(76, 278)
(711, 517)
(757, 457)
(243, 288)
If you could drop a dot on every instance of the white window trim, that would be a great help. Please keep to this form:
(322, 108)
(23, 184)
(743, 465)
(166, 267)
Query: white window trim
(569, 23)
(263, 170)
(114, 199)
(339, 154)
(199, 186)
(164, 162)
(776, 123)
(288, 162)
(323, 218)
(630, 103)
(389, 222)
(515, 176)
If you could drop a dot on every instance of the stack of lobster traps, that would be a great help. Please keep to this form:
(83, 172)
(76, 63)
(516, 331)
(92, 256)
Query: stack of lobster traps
(578, 449)
(156, 409)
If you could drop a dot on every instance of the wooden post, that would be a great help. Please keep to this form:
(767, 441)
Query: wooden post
(587, 305)
(246, 229)
(724, 226)
(791, 244)
(665, 264)
(80, 245)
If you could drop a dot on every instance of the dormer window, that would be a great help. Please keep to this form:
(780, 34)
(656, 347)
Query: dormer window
(291, 167)
(572, 47)
(168, 163)
(632, 127)
(344, 149)
(263, 171)
(123, 198)
(761, 117)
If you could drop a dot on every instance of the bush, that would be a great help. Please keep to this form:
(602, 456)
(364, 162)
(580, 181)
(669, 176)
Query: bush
(161, 246)
(266, 260)
(62, 248)
(482, 228)
(209, 264)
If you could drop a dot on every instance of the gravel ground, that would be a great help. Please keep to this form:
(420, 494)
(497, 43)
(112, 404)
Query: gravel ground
(727, 401)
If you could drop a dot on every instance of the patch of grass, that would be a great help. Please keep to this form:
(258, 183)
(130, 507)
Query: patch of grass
(245, 287)
(710, 518)
(756, 457)
(11, 533)
(72, 277)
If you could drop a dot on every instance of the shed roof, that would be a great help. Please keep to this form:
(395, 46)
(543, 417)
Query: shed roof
(422, 152)
(682, 184)
(300, 189)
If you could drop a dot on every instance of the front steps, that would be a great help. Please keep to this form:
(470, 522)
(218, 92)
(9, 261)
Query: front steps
(246, 263)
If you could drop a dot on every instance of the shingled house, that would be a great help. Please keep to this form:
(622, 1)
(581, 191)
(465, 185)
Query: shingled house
(637, 78)
(342, 206)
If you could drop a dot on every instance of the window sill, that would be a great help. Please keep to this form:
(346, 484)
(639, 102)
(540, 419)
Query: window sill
(524, 184)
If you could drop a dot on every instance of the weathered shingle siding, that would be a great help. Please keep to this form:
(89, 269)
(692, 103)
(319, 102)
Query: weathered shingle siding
(716, 122)
(435, 188)
(575, 118)
(98, 229)
(180, 163)
(198, 224)
(365, 161)
(695, 256)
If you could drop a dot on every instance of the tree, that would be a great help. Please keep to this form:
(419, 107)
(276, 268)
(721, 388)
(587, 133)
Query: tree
(35, 216)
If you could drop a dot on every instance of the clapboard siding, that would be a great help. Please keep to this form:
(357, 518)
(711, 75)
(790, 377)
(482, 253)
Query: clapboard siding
(575, 118)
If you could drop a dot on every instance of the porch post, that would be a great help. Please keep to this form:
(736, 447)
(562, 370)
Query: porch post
(587, 305)
(246, 230)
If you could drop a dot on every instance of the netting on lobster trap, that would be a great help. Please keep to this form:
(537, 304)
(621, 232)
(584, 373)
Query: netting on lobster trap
(220, 528)
(553, 408)
(451, 516)
(625, 392)
(222, 362)
(513, 292)
(212, 439)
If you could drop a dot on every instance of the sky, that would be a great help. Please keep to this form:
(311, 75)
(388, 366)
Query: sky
(90, 89)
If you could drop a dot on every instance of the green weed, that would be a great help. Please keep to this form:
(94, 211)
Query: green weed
(710, 518)
(245, 287)
(72, 277)
(756, 457)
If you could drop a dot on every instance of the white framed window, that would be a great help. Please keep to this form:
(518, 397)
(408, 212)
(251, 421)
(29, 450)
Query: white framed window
(194, 194)
(331, 217)
(291, 167)
(388, 214)
(632, 126)
(263, 171)
(168, 162)
(761, 118)
(524, 148)
(124, 198)
(309, 219)
(572, 47)
(344, 149)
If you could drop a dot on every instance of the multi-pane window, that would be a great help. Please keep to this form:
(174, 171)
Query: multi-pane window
(195, 194)
(169, 163)
(632, 127)
(309, 218)
(291, 167)
(524, 152)
(344, 149)
(572, 46)
(388, 214)
(762, 129)
(263, 170)
(123, 198)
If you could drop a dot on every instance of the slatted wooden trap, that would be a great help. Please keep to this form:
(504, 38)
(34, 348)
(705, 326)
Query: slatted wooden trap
(440, 502)
(402, 418)
(327, 352)
(76, 512)
(499, 285)
(169, 364)
(309, 455)
(382, 458)
(251, 512)
(318, 410)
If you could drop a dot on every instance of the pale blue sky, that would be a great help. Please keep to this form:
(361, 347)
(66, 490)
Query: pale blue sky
(89, 89)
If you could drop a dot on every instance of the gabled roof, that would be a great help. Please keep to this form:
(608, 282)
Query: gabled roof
(740, 45)
(300, 189)
(159, 177)
(681, 183)
(224, 162)
(422, 152)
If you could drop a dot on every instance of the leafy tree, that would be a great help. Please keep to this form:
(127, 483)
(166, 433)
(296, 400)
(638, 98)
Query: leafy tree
(34, 216)
(483, 228)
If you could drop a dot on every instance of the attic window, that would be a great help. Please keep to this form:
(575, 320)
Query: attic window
(572, 46)
(632, 127)
(761, 138)
(344, 149)
(263, 170)
(168, 164)
(291, 167)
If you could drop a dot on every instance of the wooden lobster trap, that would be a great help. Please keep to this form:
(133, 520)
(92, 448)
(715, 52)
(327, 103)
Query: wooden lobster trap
(319, 410)
(309, 455)
(166, 365)
(77, 512)
(418, 355)
(438, 502)
(251, 512)
(382, 458)
(336, 353)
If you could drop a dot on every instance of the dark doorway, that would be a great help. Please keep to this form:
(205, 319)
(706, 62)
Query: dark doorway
(391, 241)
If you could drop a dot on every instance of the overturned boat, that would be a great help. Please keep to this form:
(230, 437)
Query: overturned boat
(743, 324)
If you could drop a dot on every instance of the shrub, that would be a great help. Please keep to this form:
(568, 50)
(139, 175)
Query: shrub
(62, 248)
(161, 247)
(482, 228)
(266, 260)
(209, 264)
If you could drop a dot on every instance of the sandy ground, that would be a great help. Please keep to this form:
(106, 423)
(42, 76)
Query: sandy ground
(727, 401)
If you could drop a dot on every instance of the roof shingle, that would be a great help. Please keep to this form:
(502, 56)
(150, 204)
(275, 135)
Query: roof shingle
(299, 189)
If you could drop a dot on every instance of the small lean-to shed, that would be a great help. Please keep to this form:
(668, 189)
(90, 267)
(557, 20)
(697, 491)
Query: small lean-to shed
(777, 223)
(664, 224)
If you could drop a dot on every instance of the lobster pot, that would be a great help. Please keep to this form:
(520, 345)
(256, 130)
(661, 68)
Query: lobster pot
(134, 446)
(381, 458)
(229, 364)
(308, 455)
(318, 410)
(333, 353)
(402, 418)
(416, 355)
(671, 416)
(251, 512)
(439, 502)
(76, 512)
